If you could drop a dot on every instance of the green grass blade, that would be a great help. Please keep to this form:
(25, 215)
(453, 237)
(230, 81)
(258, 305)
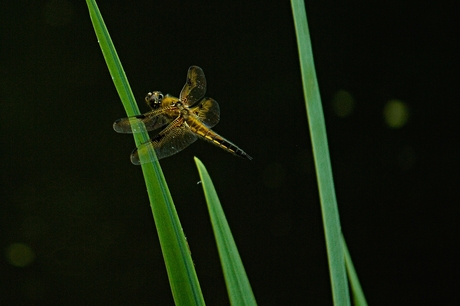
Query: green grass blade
(358, 295)
(238, 286)
(336, 257)
(181, 272)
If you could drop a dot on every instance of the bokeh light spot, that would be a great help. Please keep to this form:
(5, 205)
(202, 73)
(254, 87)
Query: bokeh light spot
(396, 114)
(19, 254)
(343, 103)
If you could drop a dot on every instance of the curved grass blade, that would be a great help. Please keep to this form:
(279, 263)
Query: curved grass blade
(181, 272)
(318, 135)
(238, 286)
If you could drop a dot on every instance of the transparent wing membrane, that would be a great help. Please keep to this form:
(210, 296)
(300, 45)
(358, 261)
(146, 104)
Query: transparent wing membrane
(132, 124)
(176, 137)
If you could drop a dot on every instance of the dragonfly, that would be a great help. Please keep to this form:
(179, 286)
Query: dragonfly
(187, 118)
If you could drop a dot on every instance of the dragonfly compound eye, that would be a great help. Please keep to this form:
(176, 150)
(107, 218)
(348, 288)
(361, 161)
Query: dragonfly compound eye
(154, 99)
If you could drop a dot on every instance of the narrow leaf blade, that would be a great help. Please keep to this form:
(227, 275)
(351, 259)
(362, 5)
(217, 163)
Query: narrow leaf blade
(358, 294)
(318, 135)
(181, 272)
(238, 286)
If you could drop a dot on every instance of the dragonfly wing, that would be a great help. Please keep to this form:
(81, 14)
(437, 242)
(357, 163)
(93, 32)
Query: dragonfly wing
(208, 111)
(195, 86)
(152, 121)
(173, 139)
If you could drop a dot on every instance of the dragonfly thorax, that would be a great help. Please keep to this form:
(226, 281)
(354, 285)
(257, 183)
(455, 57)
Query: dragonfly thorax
(183, 110)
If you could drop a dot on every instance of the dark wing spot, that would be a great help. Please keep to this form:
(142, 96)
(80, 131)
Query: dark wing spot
(158, 138)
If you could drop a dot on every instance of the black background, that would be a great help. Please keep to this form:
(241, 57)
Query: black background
(70, 193)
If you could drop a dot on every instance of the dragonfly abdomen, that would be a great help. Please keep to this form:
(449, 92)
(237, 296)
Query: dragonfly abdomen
(214, 138)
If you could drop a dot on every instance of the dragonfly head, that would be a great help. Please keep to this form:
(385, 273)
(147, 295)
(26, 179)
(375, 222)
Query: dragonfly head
(154, 99)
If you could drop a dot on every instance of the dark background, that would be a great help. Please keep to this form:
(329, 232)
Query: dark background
(70, 195)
